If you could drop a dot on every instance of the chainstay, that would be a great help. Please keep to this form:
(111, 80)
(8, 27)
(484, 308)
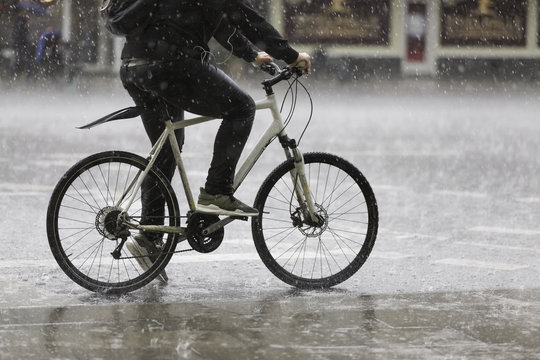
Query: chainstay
(144, 256)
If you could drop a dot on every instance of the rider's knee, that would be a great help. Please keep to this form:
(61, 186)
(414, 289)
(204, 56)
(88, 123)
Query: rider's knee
(247, 110)
(242, 109)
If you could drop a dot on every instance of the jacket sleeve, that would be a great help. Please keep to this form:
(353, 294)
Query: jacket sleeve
(259, 31)
(234, 41)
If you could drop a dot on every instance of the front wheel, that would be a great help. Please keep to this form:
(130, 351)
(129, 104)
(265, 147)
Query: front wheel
(85, 216)
(316, 255)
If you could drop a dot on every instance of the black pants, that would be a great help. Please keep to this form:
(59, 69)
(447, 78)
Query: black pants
(166, 89)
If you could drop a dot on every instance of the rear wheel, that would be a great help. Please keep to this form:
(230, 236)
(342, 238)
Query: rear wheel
(316, 255)
(85, 222)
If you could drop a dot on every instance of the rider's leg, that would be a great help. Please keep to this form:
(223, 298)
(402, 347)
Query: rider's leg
(146, 246)
(153, 205)
(203, 89)
(229, 144)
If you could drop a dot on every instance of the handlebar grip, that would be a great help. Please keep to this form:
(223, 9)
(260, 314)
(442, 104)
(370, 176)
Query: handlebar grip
(269, 68)
(301, 65)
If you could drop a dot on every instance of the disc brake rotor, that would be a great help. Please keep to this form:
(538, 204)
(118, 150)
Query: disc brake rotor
(312, 230)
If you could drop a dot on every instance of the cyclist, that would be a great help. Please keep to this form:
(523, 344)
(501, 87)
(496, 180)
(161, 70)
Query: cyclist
(167, 68)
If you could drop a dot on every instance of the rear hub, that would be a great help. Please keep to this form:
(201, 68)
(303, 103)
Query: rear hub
(107, 222)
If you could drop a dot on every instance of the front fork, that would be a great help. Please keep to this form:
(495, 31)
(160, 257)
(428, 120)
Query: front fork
(301, 186)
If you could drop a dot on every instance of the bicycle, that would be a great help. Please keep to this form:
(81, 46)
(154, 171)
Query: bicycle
(316, 227)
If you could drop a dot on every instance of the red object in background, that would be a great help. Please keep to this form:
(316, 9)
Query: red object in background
(416, 32)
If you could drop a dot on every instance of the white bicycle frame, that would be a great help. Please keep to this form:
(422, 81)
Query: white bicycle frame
(276, 128)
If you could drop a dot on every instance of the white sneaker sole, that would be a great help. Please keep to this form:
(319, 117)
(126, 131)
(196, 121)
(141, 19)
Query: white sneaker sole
(215, 210)
(141, 255)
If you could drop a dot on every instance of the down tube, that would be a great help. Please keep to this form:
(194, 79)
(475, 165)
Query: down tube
(275, 128)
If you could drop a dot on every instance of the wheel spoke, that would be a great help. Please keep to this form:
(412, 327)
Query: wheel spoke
(297, 249)
(78, 209)
(106, 184)
(83, 201)
(290, 231)
(293, 246)
(88, 229)
(97, 185)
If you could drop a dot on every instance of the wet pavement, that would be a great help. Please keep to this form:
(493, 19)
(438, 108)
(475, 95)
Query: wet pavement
(286, 325)
(454, 273)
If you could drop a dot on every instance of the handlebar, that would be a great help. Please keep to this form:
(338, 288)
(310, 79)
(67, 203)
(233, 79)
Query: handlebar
(282, 74)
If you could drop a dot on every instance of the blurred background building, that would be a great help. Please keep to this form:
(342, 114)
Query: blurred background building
(364, 37)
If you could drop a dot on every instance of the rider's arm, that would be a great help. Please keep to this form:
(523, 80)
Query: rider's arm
(241, 14)
(232, 39)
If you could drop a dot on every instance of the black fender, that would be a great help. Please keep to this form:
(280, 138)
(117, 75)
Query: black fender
(126, 113)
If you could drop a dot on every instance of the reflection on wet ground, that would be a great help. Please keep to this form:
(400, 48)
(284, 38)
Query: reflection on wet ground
(501, 324)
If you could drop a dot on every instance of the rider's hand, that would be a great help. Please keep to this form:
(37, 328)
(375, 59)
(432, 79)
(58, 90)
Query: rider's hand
(262, 58)
(303, 62)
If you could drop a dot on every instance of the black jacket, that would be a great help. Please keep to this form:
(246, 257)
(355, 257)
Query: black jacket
(184, 27)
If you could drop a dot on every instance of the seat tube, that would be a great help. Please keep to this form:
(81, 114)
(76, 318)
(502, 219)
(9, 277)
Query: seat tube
(180, 164)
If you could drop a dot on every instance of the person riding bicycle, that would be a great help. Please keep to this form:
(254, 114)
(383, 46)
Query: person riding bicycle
(167, 69)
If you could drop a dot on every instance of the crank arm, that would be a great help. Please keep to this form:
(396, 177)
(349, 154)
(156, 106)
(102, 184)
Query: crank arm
(216, 226)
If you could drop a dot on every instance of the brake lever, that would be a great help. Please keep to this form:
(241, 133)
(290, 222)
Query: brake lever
(300, 68)
(298, 72)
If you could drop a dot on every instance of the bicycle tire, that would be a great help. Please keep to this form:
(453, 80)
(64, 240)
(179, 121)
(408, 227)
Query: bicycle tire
(289, 250)
(78, 238)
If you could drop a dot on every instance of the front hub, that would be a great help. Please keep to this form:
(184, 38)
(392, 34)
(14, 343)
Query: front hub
(307, 226)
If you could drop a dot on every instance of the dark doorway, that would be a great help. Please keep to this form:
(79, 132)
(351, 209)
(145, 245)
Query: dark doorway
(416, 32)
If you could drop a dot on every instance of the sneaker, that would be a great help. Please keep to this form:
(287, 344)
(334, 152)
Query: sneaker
(223, 205)
(145, 252)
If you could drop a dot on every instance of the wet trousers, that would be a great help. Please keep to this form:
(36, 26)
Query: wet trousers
(165, 90)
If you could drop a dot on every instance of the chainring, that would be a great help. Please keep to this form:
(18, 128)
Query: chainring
(199, 242)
